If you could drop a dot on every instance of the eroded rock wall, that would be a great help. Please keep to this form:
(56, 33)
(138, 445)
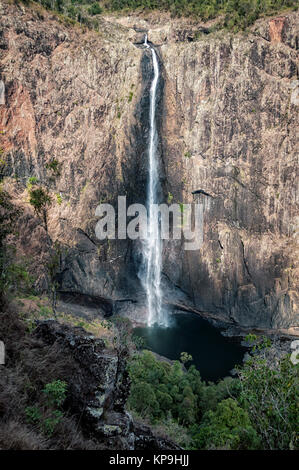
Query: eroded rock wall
(228, 120)
(231, 129)
(71, 95)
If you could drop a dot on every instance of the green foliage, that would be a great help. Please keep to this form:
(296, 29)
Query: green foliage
(39, 199)
(257, 410)
(33, 414)
(95, 9)
(45, 312)
(228, 427)
(59, 199)
(170, 198)
(251, 338)
(266, 342)
(185, 357)
(130, 97)
(160, 389)
(237, 14)
(13, 276)
(213, 393)
(139, 342)
(49, 415)
(258, 342)
(271, 397)
(188, 154)
(181, 204)
(55, 392)
(8, 214)
(55, 166)
(31, 181)
(49, 424)
(3, 161)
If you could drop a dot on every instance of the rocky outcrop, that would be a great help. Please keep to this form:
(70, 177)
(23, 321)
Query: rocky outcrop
(228, 114)
(98, 388)
(276, 29)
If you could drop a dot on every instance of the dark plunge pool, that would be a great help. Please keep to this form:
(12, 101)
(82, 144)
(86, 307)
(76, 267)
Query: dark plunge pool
(214, 355)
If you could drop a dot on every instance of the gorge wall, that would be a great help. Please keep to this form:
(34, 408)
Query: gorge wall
(230, 127)
(228, 114)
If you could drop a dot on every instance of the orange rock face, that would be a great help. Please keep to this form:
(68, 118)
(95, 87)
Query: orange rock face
(276, 28)
(18, 120)
(228, 117)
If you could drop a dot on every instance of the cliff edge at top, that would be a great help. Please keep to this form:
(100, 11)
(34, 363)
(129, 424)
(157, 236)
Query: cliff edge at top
(228, 119)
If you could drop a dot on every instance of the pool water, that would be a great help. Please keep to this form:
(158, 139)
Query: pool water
(213, 355)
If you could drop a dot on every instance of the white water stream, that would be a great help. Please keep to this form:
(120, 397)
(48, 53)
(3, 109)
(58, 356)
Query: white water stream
(152, 245)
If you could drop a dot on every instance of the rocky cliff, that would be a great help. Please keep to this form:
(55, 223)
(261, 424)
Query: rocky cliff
(228, 112)
(98, 388)
(231, 108)
(93, 415)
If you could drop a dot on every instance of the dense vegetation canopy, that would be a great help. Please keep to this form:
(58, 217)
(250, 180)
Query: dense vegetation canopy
(242, 12)
(257, 410)
(235, 14)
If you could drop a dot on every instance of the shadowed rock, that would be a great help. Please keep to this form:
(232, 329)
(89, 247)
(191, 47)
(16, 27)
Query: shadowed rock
(98, 388)
(201, 191)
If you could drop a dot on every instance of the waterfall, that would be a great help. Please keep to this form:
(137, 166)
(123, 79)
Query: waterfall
(152, 244)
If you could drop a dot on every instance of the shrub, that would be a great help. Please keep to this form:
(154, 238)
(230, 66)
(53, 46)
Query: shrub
(228, 427)
(169, 198)
(270, 397)
(95, 9)
(32, 181)
(49, 424)
(49, 415)
(55, 392)
(59, 199)
(130, 97)
(55, 166)
(185, 357)
(33, 414)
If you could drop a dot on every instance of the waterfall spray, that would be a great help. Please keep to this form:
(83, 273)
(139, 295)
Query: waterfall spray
(152, 245)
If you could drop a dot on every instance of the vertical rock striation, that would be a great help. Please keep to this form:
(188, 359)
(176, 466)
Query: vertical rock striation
(230, 129)
(228, 119)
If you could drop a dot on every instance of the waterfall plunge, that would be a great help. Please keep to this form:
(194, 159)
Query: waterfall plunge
(152, 244)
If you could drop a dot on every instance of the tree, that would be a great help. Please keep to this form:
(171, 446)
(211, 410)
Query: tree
(185, 357)
(40, 200)
(169, 386)
(95, 9)
(212, 393)
(143, 399)
(228, 427)
(271, 395)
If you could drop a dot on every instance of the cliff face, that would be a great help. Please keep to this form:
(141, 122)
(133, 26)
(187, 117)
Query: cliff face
(229, 107)
(230, 127)
(69, 95)
(93, 413)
